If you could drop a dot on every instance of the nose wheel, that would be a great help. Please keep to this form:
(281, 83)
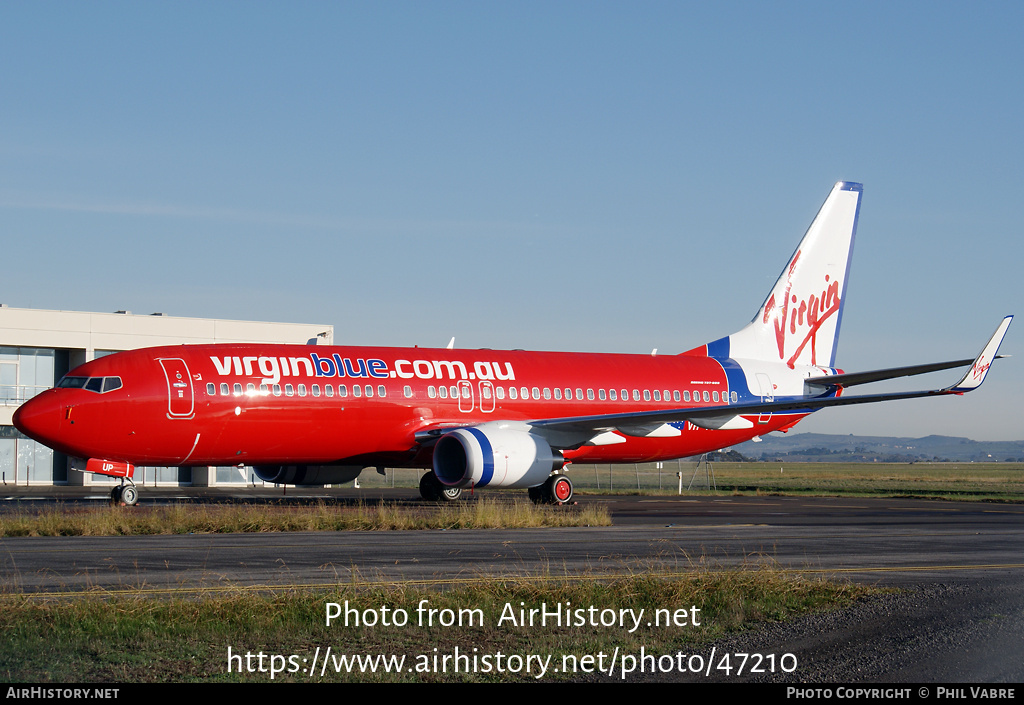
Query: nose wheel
(124, 494)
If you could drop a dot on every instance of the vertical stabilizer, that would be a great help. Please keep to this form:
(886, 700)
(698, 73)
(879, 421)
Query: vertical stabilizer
(798, 324)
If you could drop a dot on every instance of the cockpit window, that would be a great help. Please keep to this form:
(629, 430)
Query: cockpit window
(93, 384)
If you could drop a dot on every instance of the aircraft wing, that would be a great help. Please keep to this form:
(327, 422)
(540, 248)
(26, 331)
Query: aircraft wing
(601, 429)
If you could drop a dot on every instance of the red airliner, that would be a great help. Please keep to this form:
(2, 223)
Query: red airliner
(315, 415)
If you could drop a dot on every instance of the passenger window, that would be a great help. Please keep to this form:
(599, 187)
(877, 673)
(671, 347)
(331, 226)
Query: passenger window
(302, 390)
(211, 389)
(381, 391)
(237, 388)
(329, 389)
(735, 397)
(407, 391)
(707, 397)
(601, 395)
(357, 390)
(342, 390)
(612, 395)
(590, 395)
(431, 392)
(647, 395)
(277, 390)
(675, 396)
(657, 395)
(289, 390)
(714, 395)
(686, 395)
(316, 390)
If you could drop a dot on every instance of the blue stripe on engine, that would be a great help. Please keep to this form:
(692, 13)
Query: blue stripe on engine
(488, 453)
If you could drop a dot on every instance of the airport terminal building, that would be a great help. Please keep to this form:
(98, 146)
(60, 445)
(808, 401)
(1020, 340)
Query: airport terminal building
(39, 347)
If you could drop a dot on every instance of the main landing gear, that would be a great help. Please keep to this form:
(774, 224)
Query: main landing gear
(432, 489)
(556, 490)
(124, 494)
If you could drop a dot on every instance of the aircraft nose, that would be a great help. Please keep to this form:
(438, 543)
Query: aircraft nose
(39, 417)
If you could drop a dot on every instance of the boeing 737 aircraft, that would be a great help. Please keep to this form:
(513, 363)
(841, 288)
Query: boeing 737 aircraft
(315, 415)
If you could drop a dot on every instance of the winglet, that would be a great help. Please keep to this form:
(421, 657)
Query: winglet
(976, 375)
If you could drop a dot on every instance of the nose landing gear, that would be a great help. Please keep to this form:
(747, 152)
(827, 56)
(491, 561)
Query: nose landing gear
(125, 494)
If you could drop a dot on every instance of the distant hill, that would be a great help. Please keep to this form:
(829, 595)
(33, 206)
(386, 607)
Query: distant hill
(824, 447)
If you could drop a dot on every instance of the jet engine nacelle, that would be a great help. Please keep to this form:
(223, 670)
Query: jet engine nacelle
(308, 474)
(494, 455)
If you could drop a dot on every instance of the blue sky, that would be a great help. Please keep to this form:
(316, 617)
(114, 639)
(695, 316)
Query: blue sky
(561, 176)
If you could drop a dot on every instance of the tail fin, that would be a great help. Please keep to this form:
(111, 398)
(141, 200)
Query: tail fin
(799, 321)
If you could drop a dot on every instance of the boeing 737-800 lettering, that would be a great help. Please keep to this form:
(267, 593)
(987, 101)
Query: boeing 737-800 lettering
(315, 415)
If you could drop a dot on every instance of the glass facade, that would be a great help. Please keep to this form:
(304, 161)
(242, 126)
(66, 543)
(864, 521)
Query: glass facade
(22, 460)
(25, 372)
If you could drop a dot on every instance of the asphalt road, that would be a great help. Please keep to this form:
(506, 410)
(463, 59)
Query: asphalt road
(959, 618)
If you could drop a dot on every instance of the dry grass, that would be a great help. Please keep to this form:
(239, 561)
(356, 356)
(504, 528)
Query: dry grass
(247, 518)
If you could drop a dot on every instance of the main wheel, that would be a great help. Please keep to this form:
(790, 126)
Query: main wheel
(432, 490)
(450, 494)
(115, 494)
(559, 489)
(537, 494)
(129, 495)
(430, 487)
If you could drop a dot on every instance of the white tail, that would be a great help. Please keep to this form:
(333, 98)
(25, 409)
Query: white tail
(798, 323)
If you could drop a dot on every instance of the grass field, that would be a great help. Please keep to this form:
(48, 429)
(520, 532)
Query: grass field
(100, 639)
